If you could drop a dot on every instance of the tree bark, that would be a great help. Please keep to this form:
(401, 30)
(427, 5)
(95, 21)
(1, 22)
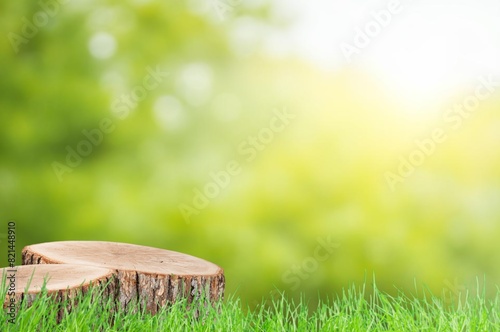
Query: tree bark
(150, 276)
(63, 283)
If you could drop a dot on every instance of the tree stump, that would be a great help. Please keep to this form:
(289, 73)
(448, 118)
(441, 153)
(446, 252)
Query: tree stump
(153, 277)
(62, 282)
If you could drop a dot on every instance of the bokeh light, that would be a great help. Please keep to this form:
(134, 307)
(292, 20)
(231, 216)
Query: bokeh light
(118, 116)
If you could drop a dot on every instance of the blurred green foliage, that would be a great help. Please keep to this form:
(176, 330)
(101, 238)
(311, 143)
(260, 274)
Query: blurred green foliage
(321, 177)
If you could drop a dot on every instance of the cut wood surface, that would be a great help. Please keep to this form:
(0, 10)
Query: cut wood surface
(61, 281)
(154, 277)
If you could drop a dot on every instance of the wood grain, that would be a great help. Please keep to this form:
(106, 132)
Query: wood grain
(154, 277)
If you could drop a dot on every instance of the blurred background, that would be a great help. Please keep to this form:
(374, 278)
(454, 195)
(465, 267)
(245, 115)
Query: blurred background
(117, 114)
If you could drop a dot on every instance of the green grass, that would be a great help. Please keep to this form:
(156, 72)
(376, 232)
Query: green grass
(354, 310)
